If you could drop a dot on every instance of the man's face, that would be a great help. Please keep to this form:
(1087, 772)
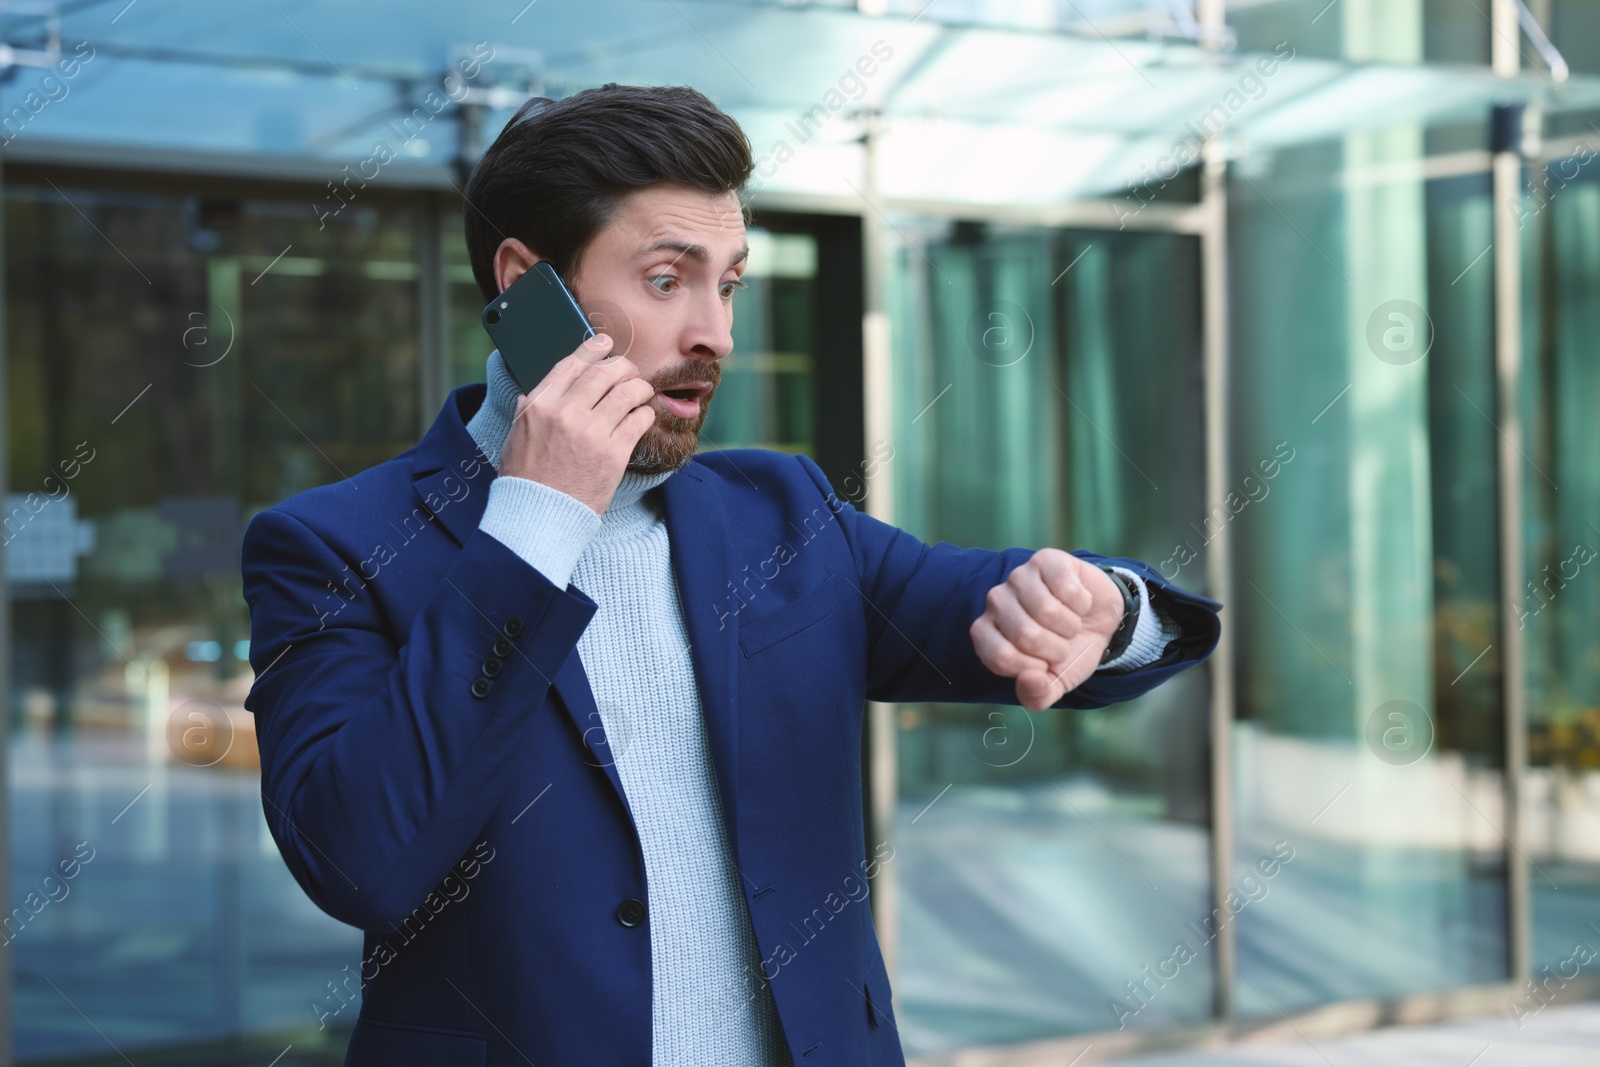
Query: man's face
(659, 279)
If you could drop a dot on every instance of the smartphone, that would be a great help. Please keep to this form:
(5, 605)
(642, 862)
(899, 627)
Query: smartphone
(535, 324)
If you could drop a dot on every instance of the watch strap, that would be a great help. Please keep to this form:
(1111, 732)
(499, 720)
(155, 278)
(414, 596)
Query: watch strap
(1130, 615)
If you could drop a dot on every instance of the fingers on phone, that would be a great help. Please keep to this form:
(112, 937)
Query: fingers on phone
(573, 370)
(595, 349)
(597, 380)
(626, 397)
(558, 379)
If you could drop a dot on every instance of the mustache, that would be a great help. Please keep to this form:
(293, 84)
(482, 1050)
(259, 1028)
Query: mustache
(687, 374)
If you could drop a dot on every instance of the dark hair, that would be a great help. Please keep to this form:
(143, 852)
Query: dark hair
(554, 175)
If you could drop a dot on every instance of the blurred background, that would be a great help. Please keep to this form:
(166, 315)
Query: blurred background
(1287, 298)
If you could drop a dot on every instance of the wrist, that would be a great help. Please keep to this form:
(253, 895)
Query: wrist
(1154, 631)
(548, 528)
(1123, 634)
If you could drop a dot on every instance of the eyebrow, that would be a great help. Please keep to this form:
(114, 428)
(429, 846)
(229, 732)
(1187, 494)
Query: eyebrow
(693, 251)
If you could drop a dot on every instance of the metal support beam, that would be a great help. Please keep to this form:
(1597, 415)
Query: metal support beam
(1505, 38)
(883, 774)
(1506, 190)
(1214, 326)
(1219, 561)
(433, 300)
(1508, 462)
(7, 712)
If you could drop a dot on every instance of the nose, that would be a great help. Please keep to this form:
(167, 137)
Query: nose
(709, 332)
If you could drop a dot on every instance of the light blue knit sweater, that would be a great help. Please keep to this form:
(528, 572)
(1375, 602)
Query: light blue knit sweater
(710, 1004)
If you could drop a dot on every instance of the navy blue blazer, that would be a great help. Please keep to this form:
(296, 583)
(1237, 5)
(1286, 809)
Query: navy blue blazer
(434, 770)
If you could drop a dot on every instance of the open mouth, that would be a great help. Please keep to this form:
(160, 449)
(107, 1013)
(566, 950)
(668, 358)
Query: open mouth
(683, 401)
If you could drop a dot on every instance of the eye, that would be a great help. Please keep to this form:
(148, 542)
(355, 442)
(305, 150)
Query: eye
(673, 278)
(731, 287)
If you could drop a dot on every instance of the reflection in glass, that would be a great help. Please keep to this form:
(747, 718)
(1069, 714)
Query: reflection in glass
(1047, 394)
(1364, 31)
(174, 364)
(1559, 606)
(1369, 721)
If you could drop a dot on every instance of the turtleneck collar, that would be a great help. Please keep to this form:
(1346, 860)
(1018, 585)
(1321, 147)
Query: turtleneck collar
(627, 512)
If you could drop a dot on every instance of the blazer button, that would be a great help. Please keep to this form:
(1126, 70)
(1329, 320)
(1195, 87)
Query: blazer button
(512, 626)
(491, 667)
(502, 647)
(630, 912)
(481, 686)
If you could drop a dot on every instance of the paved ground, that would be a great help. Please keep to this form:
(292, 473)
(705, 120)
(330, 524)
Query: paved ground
(1556, 1037)
(182, 924)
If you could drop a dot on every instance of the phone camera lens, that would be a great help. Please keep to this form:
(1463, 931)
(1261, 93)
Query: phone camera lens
(492, 316)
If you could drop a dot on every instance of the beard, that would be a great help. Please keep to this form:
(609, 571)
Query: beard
(671, 441)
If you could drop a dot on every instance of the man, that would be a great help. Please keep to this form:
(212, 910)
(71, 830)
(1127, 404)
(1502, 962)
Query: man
(566, 716)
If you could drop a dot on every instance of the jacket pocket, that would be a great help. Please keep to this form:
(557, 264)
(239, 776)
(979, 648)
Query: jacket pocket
(764, 631)
(374, 1043)
(874, 1017)
(875, 984)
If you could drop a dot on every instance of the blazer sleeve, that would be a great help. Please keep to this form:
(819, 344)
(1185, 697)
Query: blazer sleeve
(378, 763)
(921, 600)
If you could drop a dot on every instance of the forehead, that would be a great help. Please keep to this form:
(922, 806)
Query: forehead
(669, 211)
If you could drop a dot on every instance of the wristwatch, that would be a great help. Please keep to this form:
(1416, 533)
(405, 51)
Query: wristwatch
(1130, 615)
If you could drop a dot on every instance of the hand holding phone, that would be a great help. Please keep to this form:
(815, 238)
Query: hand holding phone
(578, 427)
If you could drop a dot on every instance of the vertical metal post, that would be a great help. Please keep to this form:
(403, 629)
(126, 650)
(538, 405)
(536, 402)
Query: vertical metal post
(877, 381)
(1212, 16)
(1507, 190)
(877, 384)
(8, 715)
(1219, 562)
(433, 316)
(1214, 296)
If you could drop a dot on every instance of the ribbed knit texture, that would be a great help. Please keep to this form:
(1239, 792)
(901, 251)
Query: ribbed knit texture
(709, 1002)
(1151, 631)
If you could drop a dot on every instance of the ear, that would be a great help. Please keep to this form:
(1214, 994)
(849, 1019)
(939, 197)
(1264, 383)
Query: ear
(511, 261)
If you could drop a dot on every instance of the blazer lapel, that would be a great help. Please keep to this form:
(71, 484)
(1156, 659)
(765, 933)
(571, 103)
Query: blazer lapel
(697, 525)
(572, 685)
(448, 459)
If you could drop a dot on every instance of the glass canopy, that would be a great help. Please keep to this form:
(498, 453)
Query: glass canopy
(975, 107)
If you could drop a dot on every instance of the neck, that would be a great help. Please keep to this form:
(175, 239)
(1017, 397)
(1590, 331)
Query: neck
(492, 422)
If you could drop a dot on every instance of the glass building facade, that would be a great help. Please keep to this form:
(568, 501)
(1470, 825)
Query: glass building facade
(1293, 301)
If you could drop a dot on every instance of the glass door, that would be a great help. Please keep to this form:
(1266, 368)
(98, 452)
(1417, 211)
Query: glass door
(175, 362)
(1047, 393)
(1558, 609)
(1369, 724)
